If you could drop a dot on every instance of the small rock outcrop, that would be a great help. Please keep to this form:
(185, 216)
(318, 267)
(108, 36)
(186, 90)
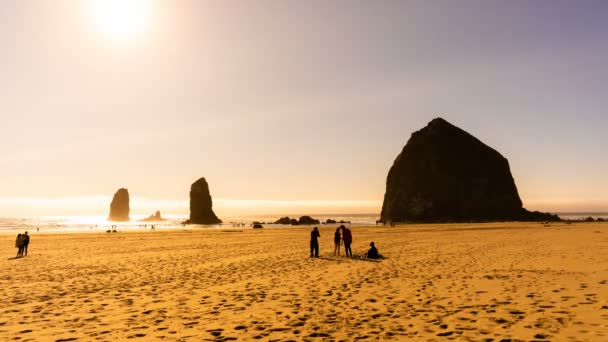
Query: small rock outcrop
(307, 221)
(119, 208)
(201, 205)
(304, 220)
(283, 220)
(153, 218)
(444, 174)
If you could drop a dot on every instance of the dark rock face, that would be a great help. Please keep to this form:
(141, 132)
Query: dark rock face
(201, 205)
(119, 208)
(153, 218)
(444, 174)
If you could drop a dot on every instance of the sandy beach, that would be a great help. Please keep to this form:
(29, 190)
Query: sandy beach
(518, 281)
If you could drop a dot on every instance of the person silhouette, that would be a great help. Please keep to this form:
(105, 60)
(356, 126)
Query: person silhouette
(373, 252)
(347, 237)
(337, 239)
(26, 243)
(19, 245)
(314, 242)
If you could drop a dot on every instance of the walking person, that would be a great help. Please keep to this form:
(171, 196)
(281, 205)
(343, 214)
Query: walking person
(347, 237)
(26, 243)
(337, 241)
(314, 242)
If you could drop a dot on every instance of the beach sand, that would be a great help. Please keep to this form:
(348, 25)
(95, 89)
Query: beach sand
(523, 281)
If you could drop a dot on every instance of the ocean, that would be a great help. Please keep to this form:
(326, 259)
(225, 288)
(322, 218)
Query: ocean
(81, 224)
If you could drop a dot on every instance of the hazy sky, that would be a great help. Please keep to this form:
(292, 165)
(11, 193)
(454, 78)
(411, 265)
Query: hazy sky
(294, 100)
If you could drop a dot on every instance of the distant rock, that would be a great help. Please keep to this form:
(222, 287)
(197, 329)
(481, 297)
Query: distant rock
(153, 218)
(201, 205)
(444, 174)
(307, 221)
(330, 221)
(119, 208)
(258, 226)
(283, 220)
(304, 220)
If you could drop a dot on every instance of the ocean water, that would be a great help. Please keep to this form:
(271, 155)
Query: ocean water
(583, 215)
(80, 224)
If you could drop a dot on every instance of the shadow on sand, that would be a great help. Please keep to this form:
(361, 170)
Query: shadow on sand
(343, 259)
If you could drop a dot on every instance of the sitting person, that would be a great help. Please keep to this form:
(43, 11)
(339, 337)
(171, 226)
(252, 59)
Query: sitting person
(373, 252)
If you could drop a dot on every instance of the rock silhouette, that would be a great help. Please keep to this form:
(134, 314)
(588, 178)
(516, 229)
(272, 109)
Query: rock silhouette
(444, 174)
(153, 218)
(201, 205)
(304, 220)
(307, 220)
(283, 220)
(119, 208)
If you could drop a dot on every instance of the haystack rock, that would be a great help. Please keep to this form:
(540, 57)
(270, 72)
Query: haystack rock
(119, 208)
(201, 205)
(444, 174)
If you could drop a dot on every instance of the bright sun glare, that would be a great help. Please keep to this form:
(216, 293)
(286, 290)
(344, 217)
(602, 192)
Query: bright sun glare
(120, 20)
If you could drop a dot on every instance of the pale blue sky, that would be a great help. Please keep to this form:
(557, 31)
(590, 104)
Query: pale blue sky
(298, 100)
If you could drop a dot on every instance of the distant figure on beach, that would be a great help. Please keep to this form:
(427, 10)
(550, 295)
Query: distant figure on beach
(337, 240)
(347, 237)
(19, 245)
(26, 243)
(314, 242)
(373, 252)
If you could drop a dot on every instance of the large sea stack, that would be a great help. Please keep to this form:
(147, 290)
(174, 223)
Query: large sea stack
(444, 174)
(201, 211)
(119, 208)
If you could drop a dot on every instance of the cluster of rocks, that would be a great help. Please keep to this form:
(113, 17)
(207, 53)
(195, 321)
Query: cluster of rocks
(303, 221)
(444, 174)
(330, 221)
(201, 206)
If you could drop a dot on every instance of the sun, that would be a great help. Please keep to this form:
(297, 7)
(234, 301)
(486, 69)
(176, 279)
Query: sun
(120, 20)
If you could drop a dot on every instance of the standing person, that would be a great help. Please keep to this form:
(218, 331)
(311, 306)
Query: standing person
(26, 242)
(337, 239)
(19, 245)
(347, 237)
(314, 242)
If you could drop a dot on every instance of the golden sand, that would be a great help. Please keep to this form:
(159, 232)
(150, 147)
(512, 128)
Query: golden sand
(438, 282)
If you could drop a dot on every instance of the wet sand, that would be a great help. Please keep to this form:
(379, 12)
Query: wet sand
(438, 282)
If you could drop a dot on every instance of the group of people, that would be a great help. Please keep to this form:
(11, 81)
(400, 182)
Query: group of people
(342, 235)
(22, 242)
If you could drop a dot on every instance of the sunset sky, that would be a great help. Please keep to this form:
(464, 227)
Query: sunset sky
(282, 101)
